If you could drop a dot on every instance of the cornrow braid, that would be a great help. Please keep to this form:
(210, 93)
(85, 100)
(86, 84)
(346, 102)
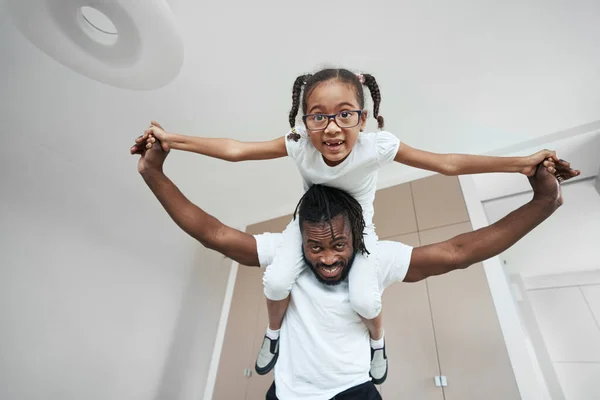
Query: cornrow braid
(371, 83)
(296, 92)
(323, 203)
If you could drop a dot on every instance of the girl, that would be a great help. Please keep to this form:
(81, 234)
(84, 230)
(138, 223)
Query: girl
(331, 148)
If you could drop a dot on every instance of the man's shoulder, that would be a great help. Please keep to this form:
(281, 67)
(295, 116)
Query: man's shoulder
(393, 261)
(266, 246)
(388, 251)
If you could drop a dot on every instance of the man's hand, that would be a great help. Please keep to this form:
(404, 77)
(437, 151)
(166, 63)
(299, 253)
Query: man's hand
(472, 247)
(205, 228)
(548, 177)
(152, 157)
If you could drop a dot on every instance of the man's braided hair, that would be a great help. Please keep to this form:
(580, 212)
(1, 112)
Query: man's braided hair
(323, 203)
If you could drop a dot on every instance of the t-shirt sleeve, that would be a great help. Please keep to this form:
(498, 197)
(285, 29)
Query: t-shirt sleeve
(296, 148)
(393, 261)
(386, 145)
(266, 246)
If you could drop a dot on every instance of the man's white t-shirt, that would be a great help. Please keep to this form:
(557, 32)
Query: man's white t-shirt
(356, 175)
(324, 346)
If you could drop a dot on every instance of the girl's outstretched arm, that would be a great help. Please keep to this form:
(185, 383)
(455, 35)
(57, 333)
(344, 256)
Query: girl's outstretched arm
(465, 164)
(222, 148)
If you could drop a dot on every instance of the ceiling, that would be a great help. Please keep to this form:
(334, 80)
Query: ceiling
(455, 77)
(581, 149)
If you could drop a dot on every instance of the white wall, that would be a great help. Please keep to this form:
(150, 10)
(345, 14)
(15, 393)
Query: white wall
(453, 78)
(189, 360)
(81, 318)
(569, 322)
(98, 287)
(566, 242)
(560, 251)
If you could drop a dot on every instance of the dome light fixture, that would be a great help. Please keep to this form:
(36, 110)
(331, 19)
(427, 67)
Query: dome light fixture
(128, 44)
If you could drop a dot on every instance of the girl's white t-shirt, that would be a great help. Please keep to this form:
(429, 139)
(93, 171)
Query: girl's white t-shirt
(356, 175)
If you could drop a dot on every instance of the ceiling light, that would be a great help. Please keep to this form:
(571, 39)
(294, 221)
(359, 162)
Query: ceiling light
(123, 43)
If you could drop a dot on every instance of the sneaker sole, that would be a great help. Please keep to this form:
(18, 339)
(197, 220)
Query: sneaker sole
(383, 378)
(267, 368)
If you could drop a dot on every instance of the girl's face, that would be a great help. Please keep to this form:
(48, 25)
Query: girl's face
(333, 142)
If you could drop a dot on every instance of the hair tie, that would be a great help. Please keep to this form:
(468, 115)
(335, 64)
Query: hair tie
(293, 135)
(361, 78)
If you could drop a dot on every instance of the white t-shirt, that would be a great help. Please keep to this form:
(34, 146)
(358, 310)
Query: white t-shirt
(324, 346)
(356, 175)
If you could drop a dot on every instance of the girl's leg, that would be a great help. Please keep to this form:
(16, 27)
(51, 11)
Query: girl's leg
(276, 310)
(364, 287)
(375, 326)
(365, 298)
(278, 280)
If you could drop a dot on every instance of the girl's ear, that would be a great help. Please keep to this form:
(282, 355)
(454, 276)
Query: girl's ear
(363, 119)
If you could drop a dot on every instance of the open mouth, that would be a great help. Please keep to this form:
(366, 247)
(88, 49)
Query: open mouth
(330, 272)
(334, 145)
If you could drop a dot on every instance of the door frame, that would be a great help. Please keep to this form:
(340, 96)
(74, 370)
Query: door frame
(528, 374)
(211, 379)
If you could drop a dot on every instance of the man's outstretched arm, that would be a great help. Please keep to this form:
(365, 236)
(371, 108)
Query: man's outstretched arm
(473, 247)
(202, 226)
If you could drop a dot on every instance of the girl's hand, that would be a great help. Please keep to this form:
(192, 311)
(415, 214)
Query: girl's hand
(154, 132)
(529, 163)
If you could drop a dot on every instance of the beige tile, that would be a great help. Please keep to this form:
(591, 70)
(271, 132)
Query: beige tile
(236, 354)
(438, 201)
(259, 384)
(471, 346)
(272, 225)
(411, 239)
(410, 343)
(394, 211)
(246, 322)
(436, 235)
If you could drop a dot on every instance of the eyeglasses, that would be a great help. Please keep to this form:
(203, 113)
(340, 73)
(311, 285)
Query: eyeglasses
(343, 119)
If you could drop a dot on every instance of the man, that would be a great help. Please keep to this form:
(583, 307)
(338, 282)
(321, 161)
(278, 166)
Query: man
(337, 361)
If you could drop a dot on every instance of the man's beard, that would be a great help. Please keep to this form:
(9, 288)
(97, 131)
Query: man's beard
(328, 282)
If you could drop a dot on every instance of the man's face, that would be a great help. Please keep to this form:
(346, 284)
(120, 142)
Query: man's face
(329, 256)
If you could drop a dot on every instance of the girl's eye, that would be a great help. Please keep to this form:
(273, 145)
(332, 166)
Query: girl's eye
(346, 114)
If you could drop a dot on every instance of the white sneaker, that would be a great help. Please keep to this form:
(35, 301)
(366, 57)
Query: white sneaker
(267, 356)
(379, 365)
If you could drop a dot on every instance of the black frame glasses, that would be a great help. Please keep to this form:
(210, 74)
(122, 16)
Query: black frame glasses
(330, 117)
